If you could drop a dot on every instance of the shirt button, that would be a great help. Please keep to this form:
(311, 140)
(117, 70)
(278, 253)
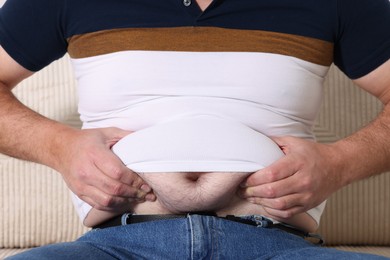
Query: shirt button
(187, 2)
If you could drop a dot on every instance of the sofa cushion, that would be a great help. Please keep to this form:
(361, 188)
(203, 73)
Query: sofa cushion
(8, 252)
(376, 250)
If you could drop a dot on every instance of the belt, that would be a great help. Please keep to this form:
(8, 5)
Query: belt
(264, 222)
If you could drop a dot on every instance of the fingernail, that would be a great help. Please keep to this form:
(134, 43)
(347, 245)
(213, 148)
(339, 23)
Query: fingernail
(150, 197)
(146, 188)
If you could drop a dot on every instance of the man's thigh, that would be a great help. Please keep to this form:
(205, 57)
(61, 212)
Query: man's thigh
(151, 240)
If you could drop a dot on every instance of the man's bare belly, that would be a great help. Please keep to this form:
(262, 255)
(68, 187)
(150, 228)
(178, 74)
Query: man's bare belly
(194, 192)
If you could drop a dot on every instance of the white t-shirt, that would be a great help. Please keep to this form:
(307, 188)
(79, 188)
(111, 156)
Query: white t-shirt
(215, 108)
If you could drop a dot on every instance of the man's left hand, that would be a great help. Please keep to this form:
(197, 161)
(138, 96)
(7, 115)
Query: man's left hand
(305, 177)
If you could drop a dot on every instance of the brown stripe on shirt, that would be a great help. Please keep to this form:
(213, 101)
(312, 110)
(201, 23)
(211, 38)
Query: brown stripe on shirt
(200, 39)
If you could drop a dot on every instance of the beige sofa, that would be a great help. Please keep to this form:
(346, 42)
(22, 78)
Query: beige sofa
(35, 206)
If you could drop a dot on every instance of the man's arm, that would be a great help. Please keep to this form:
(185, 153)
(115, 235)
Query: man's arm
(83, 157)
(310, 172)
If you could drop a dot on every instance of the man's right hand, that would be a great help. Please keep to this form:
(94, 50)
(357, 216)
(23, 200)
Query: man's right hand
(84, 157)
(94, 173)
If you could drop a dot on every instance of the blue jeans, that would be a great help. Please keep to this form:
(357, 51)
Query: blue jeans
(194, 237)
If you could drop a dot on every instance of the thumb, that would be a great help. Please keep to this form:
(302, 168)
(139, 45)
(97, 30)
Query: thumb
(114, 134)
(284, 142)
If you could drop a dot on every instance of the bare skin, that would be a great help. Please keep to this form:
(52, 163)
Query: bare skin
(184, 192)
(203, 4)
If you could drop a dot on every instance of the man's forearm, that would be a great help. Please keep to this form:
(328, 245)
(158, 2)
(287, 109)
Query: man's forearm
(24, 133)
(366, 152)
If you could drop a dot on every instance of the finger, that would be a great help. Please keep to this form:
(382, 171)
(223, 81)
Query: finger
(285, 142)
(150, 197)
(270, 190)
(108, 163)
(112, 166)
(282, 203)
(102, 201)
(111, 177)
(113, 135)
(280, 209)
(277, 181)
(112, 163)
(284, 214)
(92, 176)
(281, 169)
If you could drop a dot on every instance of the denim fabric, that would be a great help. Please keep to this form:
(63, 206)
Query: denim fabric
(194, 237)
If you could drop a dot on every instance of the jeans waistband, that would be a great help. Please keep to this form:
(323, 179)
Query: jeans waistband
(253, 220)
